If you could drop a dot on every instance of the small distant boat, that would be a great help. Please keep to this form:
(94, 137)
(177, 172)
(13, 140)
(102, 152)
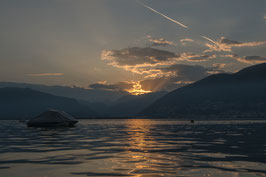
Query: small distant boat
(22, 121)
(52, 118)
(192, 121)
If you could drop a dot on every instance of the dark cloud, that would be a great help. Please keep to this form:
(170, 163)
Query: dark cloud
(145, 60)
(138, 56)
(120, 86)
(224, 40)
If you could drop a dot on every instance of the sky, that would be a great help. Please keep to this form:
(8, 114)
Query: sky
(144, 45)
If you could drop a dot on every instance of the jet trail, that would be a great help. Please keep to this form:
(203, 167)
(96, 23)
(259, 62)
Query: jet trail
(172, 20)
(176, 22)
(209, 40)
(212, 41)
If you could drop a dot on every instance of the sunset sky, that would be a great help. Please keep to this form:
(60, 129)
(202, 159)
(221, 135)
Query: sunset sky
(149, 45)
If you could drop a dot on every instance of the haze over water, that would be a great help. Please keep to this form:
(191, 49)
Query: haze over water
(134, 147)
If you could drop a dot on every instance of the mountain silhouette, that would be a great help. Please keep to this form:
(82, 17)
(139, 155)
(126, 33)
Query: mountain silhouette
(106, 103)
(78, 93)
(238, 95)
(131, 105)
(22, 103)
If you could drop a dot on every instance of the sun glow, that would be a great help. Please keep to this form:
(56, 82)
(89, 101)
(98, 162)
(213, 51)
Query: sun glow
(137, 89)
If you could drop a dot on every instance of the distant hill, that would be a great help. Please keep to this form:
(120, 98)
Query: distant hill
(105, 103)
(131, 105)
(89, 95)
(21, 103)
(239, 95)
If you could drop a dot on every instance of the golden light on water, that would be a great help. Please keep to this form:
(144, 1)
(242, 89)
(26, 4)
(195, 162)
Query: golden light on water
(138, 129)
(137, 89)
(140, 142)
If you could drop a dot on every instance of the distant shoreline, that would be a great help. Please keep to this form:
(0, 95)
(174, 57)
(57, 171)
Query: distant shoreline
(169, 119)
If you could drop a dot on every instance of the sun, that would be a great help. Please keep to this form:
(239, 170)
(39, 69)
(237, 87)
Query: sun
(137, 89)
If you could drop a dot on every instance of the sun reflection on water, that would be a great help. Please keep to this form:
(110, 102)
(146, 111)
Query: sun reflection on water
(140, 140)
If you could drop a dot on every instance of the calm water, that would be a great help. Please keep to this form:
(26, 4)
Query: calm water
(138, 148)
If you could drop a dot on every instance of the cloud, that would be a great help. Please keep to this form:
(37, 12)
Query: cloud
(190, 57)
(160, 68)
(226, 45)
(148, 61)
(253, 59)
(160, 42)
(219, 65)
(180, 75)
(45, 74)
(168, 18)
(247, 59)
(119, 86)
(185, 41)
(138, 56)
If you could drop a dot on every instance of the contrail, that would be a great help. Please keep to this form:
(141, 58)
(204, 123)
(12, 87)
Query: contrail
(176, 22)
(172, 20)
(210, 40)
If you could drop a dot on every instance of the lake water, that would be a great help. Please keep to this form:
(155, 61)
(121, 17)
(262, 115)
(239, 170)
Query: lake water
(134, 147)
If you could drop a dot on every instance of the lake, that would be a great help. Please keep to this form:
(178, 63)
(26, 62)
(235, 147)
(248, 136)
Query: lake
(134, 147)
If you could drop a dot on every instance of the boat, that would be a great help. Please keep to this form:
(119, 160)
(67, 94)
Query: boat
(52, 118)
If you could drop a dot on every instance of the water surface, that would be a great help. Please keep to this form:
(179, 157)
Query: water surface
(134, 147)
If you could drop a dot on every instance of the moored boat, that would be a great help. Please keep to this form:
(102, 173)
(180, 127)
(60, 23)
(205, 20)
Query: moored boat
(53, 118)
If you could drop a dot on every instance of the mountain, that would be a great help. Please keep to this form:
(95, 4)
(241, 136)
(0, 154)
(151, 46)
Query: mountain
(131, 105)
(17, 103)
(238, 95)
(89, 95)
(106, 103)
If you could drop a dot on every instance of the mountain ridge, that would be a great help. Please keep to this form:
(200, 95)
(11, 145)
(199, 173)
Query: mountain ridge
(237, 95)
(17, 103)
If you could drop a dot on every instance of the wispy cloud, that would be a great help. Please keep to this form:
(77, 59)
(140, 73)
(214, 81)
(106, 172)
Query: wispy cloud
(219, 65)
(185, 41)
(247, 59)
(160, 42)
(168, 18)
(226, 45)
(191, 57)
(45, 74)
